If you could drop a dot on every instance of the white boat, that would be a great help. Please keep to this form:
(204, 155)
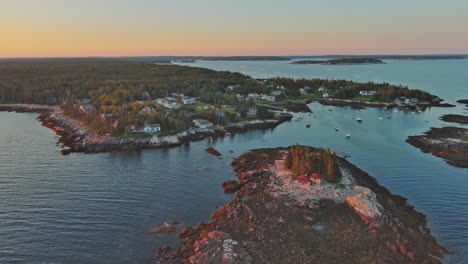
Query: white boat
(380, 118)
(348, 135)
(337, 129)
(359, 119)
(395, 110)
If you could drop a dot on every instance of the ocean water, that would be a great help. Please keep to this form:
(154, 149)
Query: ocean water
(101, 208)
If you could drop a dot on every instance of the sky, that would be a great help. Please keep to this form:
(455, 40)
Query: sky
(66, 28)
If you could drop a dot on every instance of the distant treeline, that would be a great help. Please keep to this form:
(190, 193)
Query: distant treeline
(53, 81)
(111, 82)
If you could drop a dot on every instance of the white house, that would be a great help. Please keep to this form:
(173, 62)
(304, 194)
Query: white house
(277, 92)
(202, 123)
(151, 128)
(367, 93)
(322, 89)
(252, 112)
(303, 91)
(253, 96)
(270, 98)
(189, 100)
(325, 95)
(230, 88)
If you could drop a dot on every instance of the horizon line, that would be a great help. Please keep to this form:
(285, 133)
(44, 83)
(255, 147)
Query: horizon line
(231, 56)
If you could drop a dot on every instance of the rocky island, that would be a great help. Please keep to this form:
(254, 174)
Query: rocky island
(449, 143)
(305, 205)
(342, 61)
(461, 119)
(463, 101)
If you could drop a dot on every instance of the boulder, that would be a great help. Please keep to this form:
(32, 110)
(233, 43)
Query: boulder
(165, 228)
(213, 151)
(364, 202)
(231, 186)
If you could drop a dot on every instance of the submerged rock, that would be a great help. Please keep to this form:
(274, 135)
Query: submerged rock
(231, 186)
(165, 228)
(213, 151)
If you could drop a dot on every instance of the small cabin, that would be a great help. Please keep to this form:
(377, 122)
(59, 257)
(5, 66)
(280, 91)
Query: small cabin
(302, 179)
(315, 178)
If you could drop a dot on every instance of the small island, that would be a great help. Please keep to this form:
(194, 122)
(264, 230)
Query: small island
(463, 101)
(306, 205)
(342, 61)
(449, 143)
(460, 119)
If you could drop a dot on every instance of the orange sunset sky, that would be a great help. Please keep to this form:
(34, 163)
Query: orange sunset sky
(32, 28)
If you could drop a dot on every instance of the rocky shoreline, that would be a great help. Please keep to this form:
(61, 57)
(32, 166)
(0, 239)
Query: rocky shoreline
(363, 105)
(449, 143)
(275, 219)
(74, 137)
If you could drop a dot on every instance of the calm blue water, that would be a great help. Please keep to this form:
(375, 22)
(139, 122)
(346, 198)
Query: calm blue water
(100, 208)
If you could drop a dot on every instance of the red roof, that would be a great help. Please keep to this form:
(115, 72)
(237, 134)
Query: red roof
(303, 179)
(315, 176)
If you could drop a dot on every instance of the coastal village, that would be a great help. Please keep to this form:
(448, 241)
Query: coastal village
(179, 113)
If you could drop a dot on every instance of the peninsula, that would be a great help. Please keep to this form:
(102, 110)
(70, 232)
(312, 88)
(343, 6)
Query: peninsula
(305, 205)
(109, 104)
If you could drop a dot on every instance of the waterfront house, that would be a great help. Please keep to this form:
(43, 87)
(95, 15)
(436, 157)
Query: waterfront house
(322, 89)
(302, 91)
(325, 95)
(151, 128)
(202, 123)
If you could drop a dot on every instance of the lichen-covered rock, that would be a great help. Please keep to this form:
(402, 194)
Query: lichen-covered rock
(364, 203)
